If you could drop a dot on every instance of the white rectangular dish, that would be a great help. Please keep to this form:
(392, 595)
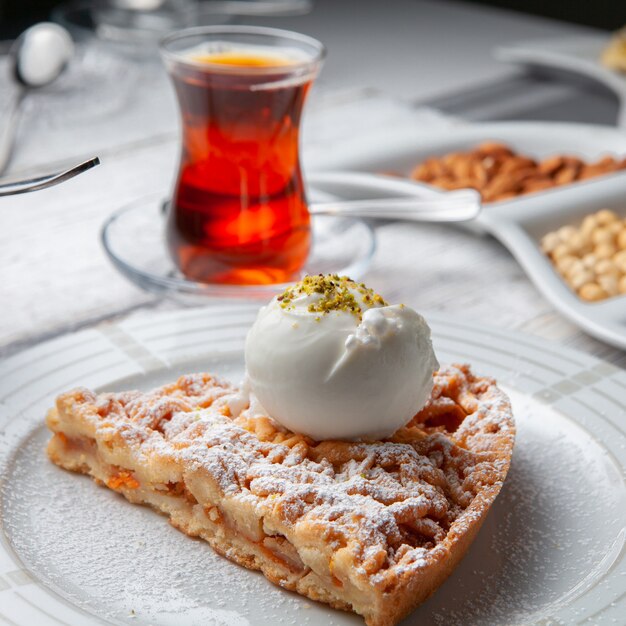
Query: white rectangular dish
(518, 223)
(521, 228)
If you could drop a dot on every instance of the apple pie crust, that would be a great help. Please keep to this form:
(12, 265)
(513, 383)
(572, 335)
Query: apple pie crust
(372, 527)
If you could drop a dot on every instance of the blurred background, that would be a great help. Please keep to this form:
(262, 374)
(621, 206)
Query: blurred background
(15, 15)
(424, 64)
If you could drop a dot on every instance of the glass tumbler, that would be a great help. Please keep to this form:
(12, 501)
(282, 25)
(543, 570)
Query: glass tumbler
(238, 213)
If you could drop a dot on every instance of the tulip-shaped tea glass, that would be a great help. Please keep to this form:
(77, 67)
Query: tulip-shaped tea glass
(238, 213)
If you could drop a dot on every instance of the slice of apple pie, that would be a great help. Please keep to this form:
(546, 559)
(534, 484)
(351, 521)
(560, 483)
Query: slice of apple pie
(372, 527)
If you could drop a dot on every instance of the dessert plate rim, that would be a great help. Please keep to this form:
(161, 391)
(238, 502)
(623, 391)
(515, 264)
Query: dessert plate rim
(149, 347)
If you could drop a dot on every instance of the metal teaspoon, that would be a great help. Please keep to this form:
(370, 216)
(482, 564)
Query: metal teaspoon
(37, 58)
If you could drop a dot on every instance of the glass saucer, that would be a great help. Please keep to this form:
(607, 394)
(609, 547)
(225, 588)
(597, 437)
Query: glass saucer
(134, 240)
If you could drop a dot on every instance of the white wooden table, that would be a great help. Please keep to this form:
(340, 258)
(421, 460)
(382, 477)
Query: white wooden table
(54, 276)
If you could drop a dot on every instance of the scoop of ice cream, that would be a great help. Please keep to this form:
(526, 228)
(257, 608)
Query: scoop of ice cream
(332, 360)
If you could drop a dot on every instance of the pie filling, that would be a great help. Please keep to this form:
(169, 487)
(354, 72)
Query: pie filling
(209, 521)
(370, 527)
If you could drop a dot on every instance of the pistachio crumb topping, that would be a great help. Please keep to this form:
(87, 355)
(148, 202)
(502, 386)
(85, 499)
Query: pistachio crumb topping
(337, 293)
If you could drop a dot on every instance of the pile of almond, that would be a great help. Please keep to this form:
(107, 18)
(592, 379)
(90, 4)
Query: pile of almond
(499, 173)
(591, 257)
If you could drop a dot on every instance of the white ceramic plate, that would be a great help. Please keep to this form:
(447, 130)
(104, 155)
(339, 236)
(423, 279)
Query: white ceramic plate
(521, 227)
(550, 552)
(580, 55)
(518, 223)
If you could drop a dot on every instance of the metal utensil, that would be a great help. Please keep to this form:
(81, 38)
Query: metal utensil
(37, 58)
(378, 196)
(455, 206)
(42, 182)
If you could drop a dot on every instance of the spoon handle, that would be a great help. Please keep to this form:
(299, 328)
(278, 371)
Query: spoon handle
(457, 206)
(43, 182)
(8, 132)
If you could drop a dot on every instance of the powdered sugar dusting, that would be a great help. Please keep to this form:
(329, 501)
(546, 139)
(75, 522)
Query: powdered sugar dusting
(419, 490)
(540, 541)
(124, 562)
(548, 535)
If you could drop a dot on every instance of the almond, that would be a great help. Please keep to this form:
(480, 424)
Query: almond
(428, 170)
(517, 163)
(551, 165)
(566, 175)
(502, 183)
(493, 148)
(461, 167)
(478, 173)
(535, 184)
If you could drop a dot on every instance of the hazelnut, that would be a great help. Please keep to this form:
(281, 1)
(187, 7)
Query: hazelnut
(590, 260)
(606, 266)
(560, 251)
(605, 250)
(602, 235)
(620, 260)
(606, 216)
(589, 224)
(592, 292)
(581, 278)
(609, 283)
(567, 263)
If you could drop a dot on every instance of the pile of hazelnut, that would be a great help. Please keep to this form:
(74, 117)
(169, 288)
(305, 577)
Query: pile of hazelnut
(591, 257)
